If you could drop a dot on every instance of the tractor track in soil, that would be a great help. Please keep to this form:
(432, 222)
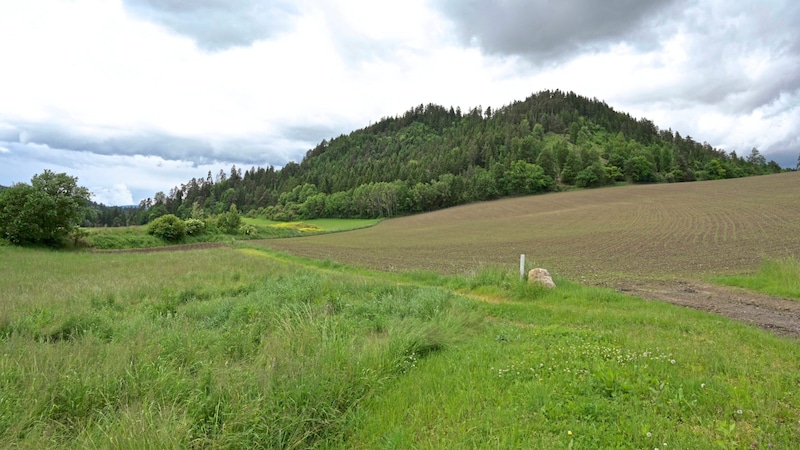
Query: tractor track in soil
(778, 315)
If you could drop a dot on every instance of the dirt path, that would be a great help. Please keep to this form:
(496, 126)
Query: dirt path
(778, 315)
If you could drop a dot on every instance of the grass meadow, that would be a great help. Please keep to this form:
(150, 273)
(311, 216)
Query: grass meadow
(243, 347)
(120, 238)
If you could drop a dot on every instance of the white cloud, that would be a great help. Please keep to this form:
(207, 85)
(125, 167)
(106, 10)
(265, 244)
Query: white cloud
(117, 194)
(120, 85)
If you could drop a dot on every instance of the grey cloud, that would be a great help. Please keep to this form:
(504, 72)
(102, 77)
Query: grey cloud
(784, 152)
(218, 24)
(723, 41)
(312, 135)
(545, 30)
(258, 150)
(255, 150)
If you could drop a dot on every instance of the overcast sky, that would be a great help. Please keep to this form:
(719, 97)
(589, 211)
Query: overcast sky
(138, 96)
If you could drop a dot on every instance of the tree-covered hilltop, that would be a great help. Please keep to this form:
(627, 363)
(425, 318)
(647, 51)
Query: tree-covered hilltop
(434, 157)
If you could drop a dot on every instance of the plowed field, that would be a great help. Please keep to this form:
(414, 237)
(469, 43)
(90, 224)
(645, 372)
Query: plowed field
(632, 232)
(652, 240)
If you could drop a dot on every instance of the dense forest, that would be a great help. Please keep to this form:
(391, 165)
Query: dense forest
(433, 157)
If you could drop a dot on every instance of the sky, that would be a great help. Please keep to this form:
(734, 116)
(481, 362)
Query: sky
(134, 97)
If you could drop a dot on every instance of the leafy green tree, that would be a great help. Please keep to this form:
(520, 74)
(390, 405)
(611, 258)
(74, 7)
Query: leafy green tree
(168, 227)
(547, 161)
(229, 222)
(538, 131)
(715, 170)
(640, 170)
(591, 176)
(572, 166)
(524, 178)
(44, 212)
(756, 159)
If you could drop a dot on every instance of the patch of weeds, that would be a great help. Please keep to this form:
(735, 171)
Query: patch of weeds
(108, 301)
(75, 326)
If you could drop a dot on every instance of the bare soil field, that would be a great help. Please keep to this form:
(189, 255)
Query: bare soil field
(656, 241)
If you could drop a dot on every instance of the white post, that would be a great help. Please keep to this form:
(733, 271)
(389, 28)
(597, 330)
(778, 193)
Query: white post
(522, 266)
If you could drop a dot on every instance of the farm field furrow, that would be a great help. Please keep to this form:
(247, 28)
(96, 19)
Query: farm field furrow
(652, 231)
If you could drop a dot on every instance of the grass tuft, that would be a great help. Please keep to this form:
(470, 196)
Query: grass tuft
(779, 277)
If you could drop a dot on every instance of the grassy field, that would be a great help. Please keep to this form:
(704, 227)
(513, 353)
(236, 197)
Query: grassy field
(117, 238)
(324, 225)
(246, 348)
(698, 229)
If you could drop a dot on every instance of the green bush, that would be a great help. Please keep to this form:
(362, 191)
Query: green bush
(195, 227)
(168, 227)
(248, 230)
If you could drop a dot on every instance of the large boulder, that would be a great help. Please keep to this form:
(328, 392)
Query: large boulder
(542, 277)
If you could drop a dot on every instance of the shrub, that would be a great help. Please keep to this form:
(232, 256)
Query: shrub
(168, 227)
(248, 230)
(229, 222)
(195, 227)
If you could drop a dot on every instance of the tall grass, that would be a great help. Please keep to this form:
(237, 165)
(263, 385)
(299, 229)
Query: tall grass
(779, 277)
(241, 348)
(195, 350)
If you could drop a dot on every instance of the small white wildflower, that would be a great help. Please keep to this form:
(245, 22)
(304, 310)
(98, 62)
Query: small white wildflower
(649, 434)
(739, 411)
(672, 361)
(702, 385)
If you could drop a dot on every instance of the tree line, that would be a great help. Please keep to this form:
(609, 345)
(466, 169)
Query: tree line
(432, 157)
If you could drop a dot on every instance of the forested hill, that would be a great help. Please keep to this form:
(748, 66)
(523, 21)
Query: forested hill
(434, 157)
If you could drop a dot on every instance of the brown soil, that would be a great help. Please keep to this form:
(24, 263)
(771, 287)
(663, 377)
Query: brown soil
(778, 315)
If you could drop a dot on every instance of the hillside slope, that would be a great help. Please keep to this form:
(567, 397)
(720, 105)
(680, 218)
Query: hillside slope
(432, 157)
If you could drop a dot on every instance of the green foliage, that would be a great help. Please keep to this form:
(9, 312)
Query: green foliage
(195, 227)
(524, 178)
(230, 221)
(44, 212)
(592, 176)
(122, 238)
(639, 169)
(248, 230)
(168, 227)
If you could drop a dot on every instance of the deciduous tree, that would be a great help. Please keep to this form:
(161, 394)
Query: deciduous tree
(44, 212)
